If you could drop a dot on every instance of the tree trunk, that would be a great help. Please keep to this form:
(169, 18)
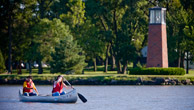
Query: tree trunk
(179, 55)
(10, 42)
(119, 69)
(83, 71)
(108, 46)
(20, 68)
(187, 69)
(40, 70)
(30, 68)
(135, 64)
(106, 60)
(94, 61)
(118, 66)
(124, 71)
(182, 60)
(113, 60)
(113, 63)
(106, 65)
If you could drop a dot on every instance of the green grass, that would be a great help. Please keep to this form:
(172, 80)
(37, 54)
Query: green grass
(34, 71)
(89, 73)
(191, 73)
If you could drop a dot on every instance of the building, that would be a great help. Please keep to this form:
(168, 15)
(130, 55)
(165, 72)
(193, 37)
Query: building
(157, 55)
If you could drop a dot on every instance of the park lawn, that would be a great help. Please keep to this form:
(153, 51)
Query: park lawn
(191, 73)
(90, 73)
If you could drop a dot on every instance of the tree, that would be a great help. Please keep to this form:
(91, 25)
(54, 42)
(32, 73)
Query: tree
(120, 21)
(68, 56)
(102, 13)
(23, 22)
(46, 34)
(71, 12)
(86, 34)
(91, 42)
(75, 16)
(177, 18)
(189, 32)
(131, 33)
(16, 18)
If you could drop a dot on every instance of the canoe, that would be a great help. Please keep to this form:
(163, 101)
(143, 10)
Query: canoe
(70, 97)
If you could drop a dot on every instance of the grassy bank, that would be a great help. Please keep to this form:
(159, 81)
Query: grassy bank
(98, 78)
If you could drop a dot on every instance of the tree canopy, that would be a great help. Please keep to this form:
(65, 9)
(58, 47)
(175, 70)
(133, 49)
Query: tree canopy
(65, 33)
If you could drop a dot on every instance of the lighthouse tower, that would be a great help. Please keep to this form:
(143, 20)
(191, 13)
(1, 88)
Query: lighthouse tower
(157, 55)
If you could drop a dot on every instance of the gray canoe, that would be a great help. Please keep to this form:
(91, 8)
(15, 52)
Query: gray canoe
(70, 97)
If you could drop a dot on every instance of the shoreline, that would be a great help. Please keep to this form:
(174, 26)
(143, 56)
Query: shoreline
(107, 81)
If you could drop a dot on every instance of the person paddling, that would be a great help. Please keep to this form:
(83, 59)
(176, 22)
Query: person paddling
(58, 86)
(28, 87)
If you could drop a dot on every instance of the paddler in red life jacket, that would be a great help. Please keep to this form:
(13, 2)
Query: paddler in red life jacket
(28, 87)
(58, 86)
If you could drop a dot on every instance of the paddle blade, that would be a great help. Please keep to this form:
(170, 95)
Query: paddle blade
(82, 98)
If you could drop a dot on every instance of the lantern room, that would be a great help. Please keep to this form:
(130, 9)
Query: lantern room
(157, 15)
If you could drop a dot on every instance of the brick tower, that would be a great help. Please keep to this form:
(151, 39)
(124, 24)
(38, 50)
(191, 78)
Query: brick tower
(157, 55)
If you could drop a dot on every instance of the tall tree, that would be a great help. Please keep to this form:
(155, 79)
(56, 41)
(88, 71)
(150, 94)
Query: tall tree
(102, 14)
(46, 34)
(118, 19)
(131, 33)
(20, 17)
(91, 42)
(177, 19)
(68, 56)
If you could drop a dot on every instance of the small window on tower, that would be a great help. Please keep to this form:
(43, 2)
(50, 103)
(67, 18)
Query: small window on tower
(152, 17)
(158, 16)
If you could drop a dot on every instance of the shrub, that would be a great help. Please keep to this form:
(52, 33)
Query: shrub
(157, 71)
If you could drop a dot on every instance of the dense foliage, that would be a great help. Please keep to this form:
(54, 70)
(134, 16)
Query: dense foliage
(108, 32)
(68, 57)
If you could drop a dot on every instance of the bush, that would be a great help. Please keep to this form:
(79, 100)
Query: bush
(157, 71)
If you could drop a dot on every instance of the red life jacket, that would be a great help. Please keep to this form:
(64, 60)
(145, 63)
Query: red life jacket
(58, 88)
(29, 85)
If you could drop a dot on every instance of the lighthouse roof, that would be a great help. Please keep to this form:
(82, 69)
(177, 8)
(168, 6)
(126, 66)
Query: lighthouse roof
(157, 8)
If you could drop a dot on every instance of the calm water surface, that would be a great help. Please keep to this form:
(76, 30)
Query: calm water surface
(108, 98)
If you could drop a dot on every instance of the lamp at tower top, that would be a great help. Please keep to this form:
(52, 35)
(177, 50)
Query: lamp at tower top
(157, 15)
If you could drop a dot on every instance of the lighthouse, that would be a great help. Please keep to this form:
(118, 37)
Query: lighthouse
(157, 53)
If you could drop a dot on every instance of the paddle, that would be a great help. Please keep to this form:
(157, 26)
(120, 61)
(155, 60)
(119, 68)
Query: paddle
(82, 98)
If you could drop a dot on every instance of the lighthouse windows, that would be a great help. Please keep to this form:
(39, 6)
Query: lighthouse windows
(157, 16)
(152, 14)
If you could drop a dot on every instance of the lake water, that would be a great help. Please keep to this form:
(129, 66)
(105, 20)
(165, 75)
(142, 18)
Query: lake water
(108, 98)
